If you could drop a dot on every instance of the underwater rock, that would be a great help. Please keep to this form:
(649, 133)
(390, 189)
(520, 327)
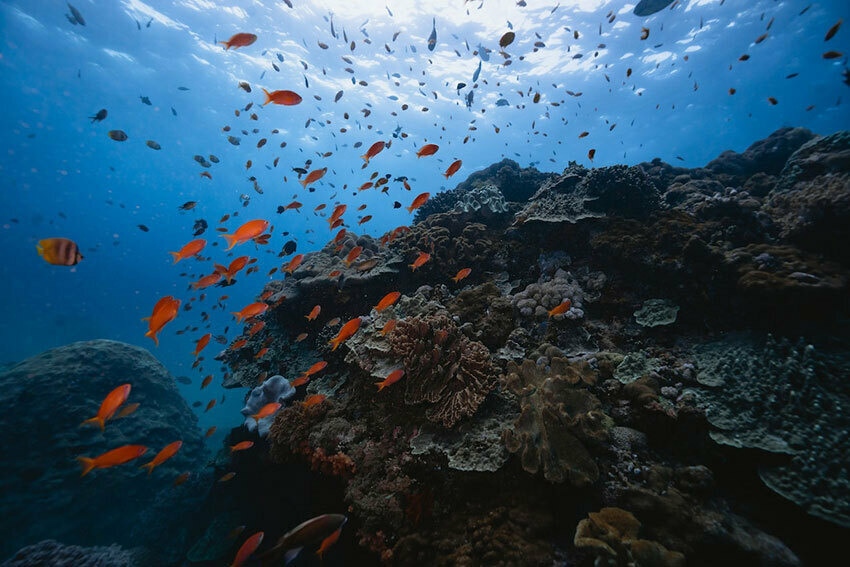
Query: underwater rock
(51, 553)
(537, 299)
(763, 156)
(557, 421)
(783, 398)
(442, 367)
(214, 543)
(275, 389)
(46, 398)
(811, 200)
(656, 312)
(611, 536)
(490, 314)
(635, 365)
(482, 201)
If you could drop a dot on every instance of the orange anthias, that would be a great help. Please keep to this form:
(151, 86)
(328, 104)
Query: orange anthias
(247, 549)
(110, 405)
(388, 327)
(283, 98)
(388, 300)
(239, 40)
(248, 231)
(193, 248)
(421, 259)
(313, 176)
(318, 367)
(345, 333)
(560, 309)
(241, 446)
(427, 150)
(336, 215)
(207, 281)
(112, 458)
(164, 311)
(202, 343)
(234, 267)
(167, 452)
(420, 200)
(353, 254)
(314, 399)
(462, 274)
(267, 410)
(393, 377)
(250, 311)
(373, 150)
(293, 264)
(453, 168)
(314, 313)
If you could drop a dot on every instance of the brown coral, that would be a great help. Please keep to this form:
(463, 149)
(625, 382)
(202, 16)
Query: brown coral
(491, 314)
(556, 422)
(442, 367)
(611, 536)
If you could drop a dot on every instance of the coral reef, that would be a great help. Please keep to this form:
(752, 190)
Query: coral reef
(41, 437)
(656, 312)
(485, 199)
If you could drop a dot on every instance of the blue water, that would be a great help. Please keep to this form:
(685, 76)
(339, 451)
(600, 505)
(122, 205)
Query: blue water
(63, 176)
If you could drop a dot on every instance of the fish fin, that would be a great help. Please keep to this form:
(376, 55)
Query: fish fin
(333, 342)
(40, 250)
(226, 44)
(380, 385)
(409, 209)
(446, 175)
(268, 97)
(237, 315)
(231, 240)
(176, 256)
(87, 464)
(150, 466)
(364, 156)
(290, 555)
(152, 335)
(303, 183)
(146, 318)
(98, 420)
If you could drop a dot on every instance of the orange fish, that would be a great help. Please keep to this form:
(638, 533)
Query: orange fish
(333, 322)
(210, 431)
(313, 176)
(210, 406)
(284, 98)
(206, 174)
(320, 207)
(833, 30)
(314, 399)
(418, 202)
(167, 452)
(367, 185)
(293, 205)
(341, 234)
(267, 410)
(334, 274)
(202, 343)
(256, 328)
(110, 405)
(453, 168)
(335, 216)
(583, 134)
(262, 352)
(207, 381)
(373, 150)
(112, 458)
(191, 249)
(427, 150)
(207, 281)
(247, 549)
(393, 377)
(250, 311)
(227, 477)
(181, 479)
(239, 40)
(300, 337)
(336, 223)
(345, 333)
(353, 254)
(365, 219)
(293, 264)
(242, 446)
(300, 381)
(318, 367)
(314, 313)
(421, 259)
(462, 274)
(164, 312)
(327, 543)
(388, 327)
(238, 344)
(127, 410)
(560, 309)
(234, 267)
(248, 231)
(590, 154)
(388, 300)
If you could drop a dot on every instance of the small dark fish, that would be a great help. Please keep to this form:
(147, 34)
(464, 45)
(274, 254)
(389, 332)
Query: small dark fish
(234, 140)
(99, 117)
(182, 88)
(145, 100)
(187, 206)
(338, 96)
(507, 39)
(117, 135)
(432, 39)
(149, 23)
(143, 228)
(214, 159)
(648, 7)
(174, 112)
(153, 145)
(245, 86)
(289, 247)
(396, 205)
(77, 16)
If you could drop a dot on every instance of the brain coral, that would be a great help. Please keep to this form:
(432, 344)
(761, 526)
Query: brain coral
(556, 422)
(442, 367)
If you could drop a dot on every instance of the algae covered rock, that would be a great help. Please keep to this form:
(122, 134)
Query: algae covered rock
(46, 397)
(51, 553)
(657, 312)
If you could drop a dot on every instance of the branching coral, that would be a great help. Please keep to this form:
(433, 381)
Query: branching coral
(442, 367)
(611, 536)
(556, 422)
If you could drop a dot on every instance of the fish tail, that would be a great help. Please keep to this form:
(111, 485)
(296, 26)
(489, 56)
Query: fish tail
(40, 250)
(148, 466)
(409, 209)
(333, 342)
(231, 240)
(455, 279)
(366, 157)
(226, 44)
(268, 97)
(98, 420)
(303, 183)
(176, 256)
(380, 385)
(237, 315)
(87, 464)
